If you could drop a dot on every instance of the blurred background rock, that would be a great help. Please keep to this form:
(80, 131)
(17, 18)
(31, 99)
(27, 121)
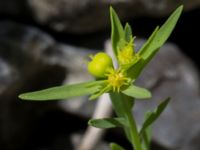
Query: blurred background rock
(46, 43)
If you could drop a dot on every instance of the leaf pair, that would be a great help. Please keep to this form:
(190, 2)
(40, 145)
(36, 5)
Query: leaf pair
(120, 121)
(80, 89)
(145, 131)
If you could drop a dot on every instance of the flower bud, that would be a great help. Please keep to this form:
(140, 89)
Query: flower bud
(100, 64)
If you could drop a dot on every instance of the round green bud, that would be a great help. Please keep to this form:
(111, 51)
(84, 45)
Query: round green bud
(99, 65)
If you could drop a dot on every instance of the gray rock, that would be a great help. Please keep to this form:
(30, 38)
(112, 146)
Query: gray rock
(78, 16)
(193, 142)
(32, 60)
(22, 68)
(172, 74)
(7, 75)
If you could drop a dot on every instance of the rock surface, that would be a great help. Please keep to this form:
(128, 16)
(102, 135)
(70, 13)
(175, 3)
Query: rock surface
(23, 67)
(78, 16)
(32, 60)
(172, 74)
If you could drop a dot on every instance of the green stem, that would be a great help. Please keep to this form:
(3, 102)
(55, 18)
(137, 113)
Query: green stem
(123, 105)
(133, 131)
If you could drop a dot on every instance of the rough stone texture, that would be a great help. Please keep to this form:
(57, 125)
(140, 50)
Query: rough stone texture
(172, 74)
(25, 65)
(32, 60)
(193, 143)
(78, 16)
(20, 63)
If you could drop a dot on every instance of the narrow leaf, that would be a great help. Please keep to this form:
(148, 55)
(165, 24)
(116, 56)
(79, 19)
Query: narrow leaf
(117, 32)
(163, 33)
(137, 92)
(63, 92)
(128, 32)
(115, 146)
(156, 40)
(107, 122)
(144, 51)
(154, 115)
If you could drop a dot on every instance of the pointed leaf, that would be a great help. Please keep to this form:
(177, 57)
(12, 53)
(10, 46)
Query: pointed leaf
(163, 33)
(154, 115)
(63, 92)
(128, 32)
(156, 40)
(107, 122)
(135, 69)
(115, 146)
(137, 92)
(117, 32)
(144, 51)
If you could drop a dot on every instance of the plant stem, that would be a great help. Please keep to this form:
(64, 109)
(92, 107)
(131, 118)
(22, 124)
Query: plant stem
(122, 105)
(133, 131)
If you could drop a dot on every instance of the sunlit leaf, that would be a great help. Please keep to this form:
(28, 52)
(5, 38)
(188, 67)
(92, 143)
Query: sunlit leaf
(107, 122)
(117, 32)
(63, 92)
(144, 50)
(153, 44)
(137, 92)
(128, 32)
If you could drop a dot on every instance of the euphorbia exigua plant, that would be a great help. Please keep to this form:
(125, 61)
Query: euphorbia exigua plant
(119, 82)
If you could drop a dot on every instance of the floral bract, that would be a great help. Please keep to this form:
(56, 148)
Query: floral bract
(115, 79)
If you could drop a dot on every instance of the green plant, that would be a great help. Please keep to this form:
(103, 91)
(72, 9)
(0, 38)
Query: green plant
(119, 82)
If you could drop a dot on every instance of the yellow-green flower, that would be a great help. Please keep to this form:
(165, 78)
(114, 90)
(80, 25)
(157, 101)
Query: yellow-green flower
(117, 79)
(101, 66)
(127, 55)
